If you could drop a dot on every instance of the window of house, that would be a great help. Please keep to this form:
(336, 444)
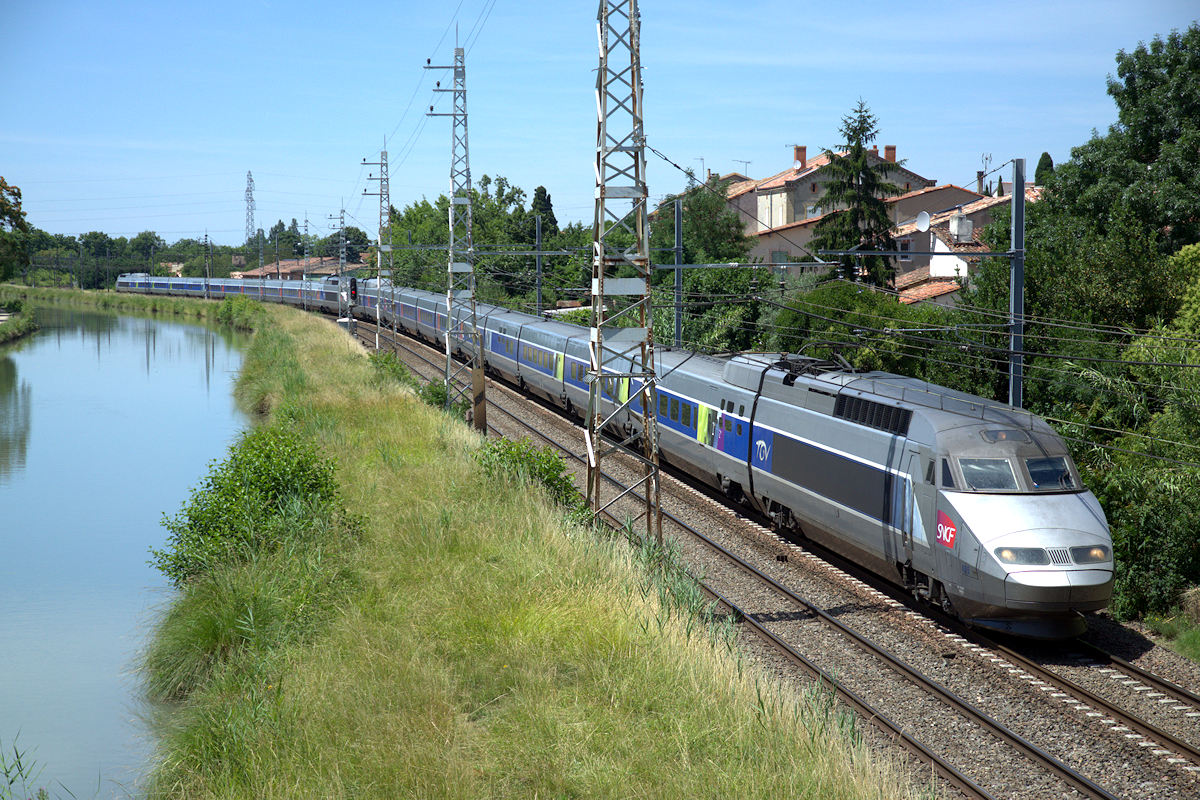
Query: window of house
(907, 186)
(779, 257)
(905, 246)
(814, 188)
(813, 211)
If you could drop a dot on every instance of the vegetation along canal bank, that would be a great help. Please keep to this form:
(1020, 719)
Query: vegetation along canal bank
(367, 606)
(15, 322)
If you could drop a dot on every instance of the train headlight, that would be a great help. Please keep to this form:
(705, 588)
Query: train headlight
(1022, 555)
(1091, 555)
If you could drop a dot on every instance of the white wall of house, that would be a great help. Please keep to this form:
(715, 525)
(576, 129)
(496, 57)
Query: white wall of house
(947, 266)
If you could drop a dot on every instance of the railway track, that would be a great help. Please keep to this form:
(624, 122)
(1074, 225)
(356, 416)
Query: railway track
(785, 624)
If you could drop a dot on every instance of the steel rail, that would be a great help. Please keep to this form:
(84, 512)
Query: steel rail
(1160, 684)
(1138, 724)
(1031, 751)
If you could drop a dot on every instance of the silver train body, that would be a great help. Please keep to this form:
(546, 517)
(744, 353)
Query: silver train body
(972, 506)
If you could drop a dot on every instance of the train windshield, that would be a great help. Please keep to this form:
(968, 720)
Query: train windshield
(988, 474)
(1050, 473)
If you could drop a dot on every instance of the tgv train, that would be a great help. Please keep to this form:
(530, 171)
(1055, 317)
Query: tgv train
(973, 506)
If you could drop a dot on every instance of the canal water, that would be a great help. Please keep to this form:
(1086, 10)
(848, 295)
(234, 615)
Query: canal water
(106, 422)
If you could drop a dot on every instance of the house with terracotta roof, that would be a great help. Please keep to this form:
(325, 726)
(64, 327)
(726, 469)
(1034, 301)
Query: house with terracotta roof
(781, 211)
(293, 269)
(789, 243)
(955, 235)
(795, 194)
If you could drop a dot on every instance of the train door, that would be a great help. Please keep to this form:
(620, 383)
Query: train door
(922, 510)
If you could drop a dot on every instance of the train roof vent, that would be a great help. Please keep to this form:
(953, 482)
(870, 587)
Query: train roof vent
(873, 415)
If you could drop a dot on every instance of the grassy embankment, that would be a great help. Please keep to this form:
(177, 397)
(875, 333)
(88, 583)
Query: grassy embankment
(455, 636)
(17, 322)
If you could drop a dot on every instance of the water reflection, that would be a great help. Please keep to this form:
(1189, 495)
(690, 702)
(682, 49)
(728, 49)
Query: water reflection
(14, 418)
(105, 424)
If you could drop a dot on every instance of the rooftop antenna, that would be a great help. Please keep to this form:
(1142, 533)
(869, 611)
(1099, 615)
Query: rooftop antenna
(745, 165)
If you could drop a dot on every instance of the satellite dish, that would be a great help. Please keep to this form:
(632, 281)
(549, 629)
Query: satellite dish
(923, 221)
(796, 165)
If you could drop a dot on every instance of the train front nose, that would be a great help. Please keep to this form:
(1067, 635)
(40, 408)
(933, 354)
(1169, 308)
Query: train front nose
(1058, 590)
(1043, 560)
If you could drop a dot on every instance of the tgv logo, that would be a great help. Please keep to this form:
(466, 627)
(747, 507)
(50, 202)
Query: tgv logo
(762, 450)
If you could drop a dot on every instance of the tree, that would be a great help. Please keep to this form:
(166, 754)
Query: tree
(857, 186)
(1045, 168)
(357, 243)
(1148, 163)
(540, 204)
(146, 242)
(96, 244)
(718, 310)
(14, 254)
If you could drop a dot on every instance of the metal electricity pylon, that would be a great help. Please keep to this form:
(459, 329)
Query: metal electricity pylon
(460, 273)
(382, 246)
(250, 226)
(621, 374)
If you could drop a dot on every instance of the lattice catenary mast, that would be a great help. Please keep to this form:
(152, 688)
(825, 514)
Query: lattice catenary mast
(382, 246)
(621, 374)
(460, 275)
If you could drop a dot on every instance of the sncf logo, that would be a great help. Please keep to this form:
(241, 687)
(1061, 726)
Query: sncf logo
(945, 530)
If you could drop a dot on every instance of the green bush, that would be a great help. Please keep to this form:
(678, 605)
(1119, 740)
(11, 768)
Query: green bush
(250, 609)
(389, 368)
(231, 514)
(434, 394)
(240, 312)
(540, 465)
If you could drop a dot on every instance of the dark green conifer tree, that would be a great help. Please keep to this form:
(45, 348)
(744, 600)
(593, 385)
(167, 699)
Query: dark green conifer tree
(857, 187)
(1045, 169)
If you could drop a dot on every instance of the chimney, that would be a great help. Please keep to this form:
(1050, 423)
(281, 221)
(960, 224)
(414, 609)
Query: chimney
(875, 150)
(978, 181)
(799, 153)
(889, 153)
(961, 228)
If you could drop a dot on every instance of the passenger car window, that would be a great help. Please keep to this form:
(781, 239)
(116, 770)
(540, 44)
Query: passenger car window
(674, 409)
(1050, 473)
(662, 405)
(686, 415)
(988, 474)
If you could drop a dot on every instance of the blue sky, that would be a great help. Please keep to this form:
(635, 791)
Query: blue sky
(128, 116)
